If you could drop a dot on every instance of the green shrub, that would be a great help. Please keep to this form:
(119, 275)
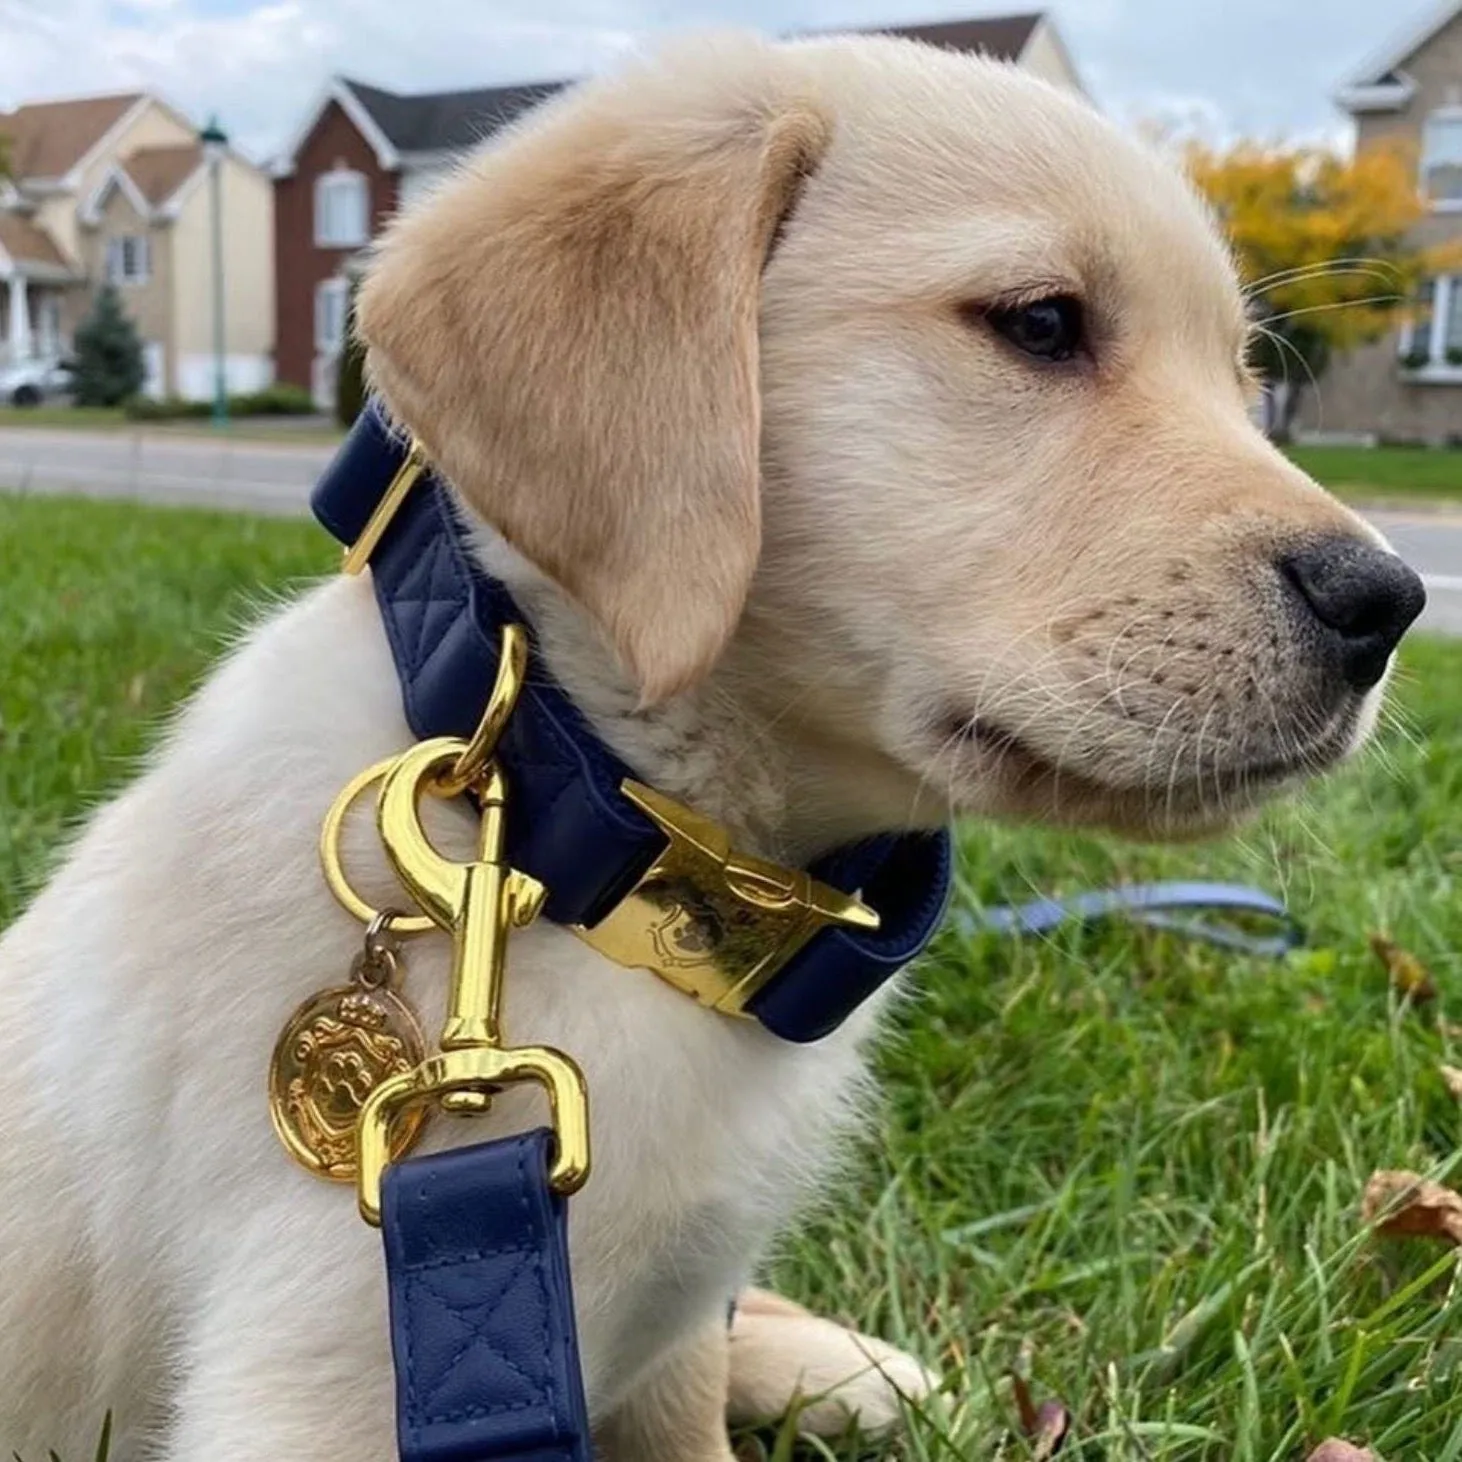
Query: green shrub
(280, 399)
(350, 388)
(166, 408)
(277, 400)
(108, 367)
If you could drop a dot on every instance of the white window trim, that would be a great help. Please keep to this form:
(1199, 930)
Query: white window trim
(142, 245)
(336, 288)
(1438, 370)
(335, 178)
(1451, 112)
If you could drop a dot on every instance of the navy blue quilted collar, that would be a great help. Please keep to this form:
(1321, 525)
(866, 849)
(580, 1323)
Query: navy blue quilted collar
(572, 828)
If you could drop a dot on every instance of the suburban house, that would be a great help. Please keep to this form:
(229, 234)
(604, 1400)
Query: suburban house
(361, 153)
(114, 189)
(1408, 387)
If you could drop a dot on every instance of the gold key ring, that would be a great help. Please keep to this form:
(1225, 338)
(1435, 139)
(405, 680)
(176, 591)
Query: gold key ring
(334, 868)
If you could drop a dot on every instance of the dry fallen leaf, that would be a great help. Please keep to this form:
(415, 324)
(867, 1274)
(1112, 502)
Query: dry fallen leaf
(1334, 1450)
(1453, 1078)
(1053, 1424)
(1047, 1425)
(1023, 1403)
(1409, 977)
(1403, 1204)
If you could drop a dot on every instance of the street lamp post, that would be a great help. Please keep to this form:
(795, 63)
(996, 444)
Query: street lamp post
(215, 146)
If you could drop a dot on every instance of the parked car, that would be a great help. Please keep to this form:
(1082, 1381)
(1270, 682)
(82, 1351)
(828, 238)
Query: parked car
(33, 381)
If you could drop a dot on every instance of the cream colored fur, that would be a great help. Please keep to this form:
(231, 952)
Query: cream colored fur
(705, 344)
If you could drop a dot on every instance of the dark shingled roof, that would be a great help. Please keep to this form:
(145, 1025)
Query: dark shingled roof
(1002, 36)
(450, 120)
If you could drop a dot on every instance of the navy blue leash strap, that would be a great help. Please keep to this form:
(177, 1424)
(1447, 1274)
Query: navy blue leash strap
(1157, 905)
(482, 1310)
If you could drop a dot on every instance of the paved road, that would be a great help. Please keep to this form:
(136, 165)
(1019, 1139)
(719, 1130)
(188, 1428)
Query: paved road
(276, 478)
(261, 476)
(1433, 546)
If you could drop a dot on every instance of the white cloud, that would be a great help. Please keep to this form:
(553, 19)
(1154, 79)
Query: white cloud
(1237, 66)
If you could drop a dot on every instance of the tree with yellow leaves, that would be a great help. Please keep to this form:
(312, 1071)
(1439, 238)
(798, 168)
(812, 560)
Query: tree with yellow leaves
(1325, 246)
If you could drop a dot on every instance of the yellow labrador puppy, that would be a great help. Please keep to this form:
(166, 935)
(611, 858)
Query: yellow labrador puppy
(864, 430)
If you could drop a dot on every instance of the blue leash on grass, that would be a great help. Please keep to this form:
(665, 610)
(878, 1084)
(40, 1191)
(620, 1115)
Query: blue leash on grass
(1172, 907)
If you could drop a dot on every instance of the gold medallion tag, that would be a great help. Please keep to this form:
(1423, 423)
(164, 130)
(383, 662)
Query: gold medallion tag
(335, 1050)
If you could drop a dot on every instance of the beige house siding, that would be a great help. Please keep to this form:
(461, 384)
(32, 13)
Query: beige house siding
(149, 304)
(152, 126)
(1436, 68)
(248, 271)
(1045, 56)
(1367, 392)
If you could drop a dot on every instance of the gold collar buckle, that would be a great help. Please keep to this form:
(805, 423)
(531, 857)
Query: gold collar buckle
(714, 923)
(358, 555)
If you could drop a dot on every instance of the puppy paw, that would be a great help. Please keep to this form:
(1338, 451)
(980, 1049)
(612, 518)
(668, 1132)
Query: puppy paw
(785, 1359)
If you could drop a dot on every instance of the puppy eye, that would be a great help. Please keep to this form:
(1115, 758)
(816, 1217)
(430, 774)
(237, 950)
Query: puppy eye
(1052, 329)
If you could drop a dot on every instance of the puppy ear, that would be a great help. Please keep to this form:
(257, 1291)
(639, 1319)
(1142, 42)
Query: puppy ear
(571, 330)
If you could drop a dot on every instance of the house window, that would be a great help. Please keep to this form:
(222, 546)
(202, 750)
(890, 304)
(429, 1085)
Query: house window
(1433, 336)
(332, 300)
(129, 259)
(342, 210)
(1441, 158)
(50, 326)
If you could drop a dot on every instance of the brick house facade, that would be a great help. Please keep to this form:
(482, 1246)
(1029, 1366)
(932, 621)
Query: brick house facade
(302, 265)
(362, 152)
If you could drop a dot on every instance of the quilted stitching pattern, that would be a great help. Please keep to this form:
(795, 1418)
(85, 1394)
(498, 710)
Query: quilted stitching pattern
(482, 1321)
(479, 1314)
(429, 598)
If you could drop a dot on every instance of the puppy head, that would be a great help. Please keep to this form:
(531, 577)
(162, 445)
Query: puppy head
(915, 391)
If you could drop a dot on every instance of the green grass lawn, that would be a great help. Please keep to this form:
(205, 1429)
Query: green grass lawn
(83, 418)
(1379, 474)
(114, 419)
(1126, 1166)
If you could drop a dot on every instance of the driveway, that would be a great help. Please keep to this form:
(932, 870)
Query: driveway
(276, 478)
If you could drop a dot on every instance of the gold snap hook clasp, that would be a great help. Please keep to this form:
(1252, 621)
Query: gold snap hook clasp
(478, 903)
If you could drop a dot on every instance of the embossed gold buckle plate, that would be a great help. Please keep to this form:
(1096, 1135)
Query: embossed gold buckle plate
(714, 923)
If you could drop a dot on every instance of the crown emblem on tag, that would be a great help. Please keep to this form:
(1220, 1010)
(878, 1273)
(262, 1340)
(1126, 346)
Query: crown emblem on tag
(336, 1049)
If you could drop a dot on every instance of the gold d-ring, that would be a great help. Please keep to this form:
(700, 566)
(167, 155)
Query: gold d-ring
(330, 860)
(512, 667)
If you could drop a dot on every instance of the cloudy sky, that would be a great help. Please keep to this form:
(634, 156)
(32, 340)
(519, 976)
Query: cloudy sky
(1263, 67)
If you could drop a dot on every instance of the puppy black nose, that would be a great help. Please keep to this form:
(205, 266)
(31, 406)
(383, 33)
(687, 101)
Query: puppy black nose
(1362, 598)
